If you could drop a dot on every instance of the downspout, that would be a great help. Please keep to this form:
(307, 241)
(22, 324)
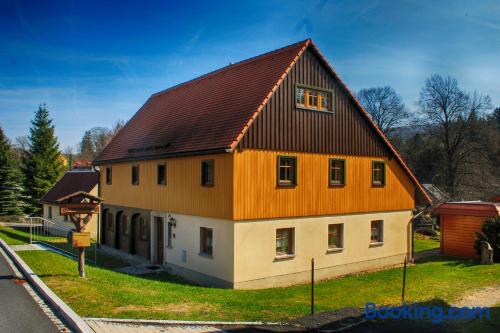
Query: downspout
(412, 259)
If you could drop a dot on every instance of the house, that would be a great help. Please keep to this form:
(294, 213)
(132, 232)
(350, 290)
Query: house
(71, 182)
(82, 165)
(459, 223)
(239, 177)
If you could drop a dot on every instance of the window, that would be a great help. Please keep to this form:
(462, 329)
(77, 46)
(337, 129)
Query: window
(376, 232)
(135, 175)
(207, 173)
(287, 171)
(49, 212)
(161, 174)
(206, 241)
(335, 236)
(337, 172)
(124, 225)
(109, 175)
(284, 242)
(313, 98)
(110, 222)
(378, 173)
(143, 229)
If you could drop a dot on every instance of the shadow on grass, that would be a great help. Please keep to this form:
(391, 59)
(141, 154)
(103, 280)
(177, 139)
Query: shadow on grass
(15, 235)
(353, 320)
(451, 261)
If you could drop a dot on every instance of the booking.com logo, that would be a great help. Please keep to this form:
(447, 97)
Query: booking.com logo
(417, 311)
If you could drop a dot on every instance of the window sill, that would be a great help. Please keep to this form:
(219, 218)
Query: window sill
(336, 185)
(206, 255)
(284, 257)
(378, 185)
(375, 244)
(280, 185)
(335, 250)
(305, 108)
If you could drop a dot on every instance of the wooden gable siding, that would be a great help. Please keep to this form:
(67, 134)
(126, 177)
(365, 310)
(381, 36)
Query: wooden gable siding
(458, 233)
(256, 194)
(182, 194)
(280, 126)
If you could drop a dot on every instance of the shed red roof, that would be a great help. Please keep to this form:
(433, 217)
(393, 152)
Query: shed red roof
(476, 208)
(71, 182)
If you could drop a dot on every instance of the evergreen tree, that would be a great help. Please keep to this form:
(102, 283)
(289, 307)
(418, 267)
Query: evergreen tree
(10, 197)
(42, 165)
(87, 150)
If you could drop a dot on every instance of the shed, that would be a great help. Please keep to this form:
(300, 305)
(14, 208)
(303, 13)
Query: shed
(459, 223)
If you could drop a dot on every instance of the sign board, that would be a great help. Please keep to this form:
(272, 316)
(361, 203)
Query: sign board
(80, 239)
(82, 208)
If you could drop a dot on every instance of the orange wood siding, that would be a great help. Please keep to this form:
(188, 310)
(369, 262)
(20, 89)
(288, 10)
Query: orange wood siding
(183, 192)
(257, 196)
(458, 233)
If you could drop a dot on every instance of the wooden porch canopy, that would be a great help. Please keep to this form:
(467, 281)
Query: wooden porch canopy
(80, 202)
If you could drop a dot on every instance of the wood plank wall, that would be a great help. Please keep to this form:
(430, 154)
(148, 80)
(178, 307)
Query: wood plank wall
(183, 193)
(256, 194)
(280, 126)
(458, 234)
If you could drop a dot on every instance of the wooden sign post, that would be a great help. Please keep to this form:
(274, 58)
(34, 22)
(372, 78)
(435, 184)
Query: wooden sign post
(80, 207)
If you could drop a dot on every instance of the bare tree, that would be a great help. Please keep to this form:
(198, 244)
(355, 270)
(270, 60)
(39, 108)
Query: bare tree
(97, 138)
(450, 113)
(385, 107)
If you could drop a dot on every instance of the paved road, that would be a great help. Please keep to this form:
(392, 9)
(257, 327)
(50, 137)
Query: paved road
(19, 312)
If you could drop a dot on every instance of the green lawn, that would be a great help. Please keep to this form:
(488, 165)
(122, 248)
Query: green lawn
(107, 293)
(424, 244)
(21, 236)
(14, 236)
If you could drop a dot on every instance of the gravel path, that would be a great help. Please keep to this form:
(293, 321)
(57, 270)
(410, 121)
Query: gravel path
(489, 296)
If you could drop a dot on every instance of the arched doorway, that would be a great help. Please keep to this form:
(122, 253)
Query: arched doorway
(104, 224)
(118, 220)
(133, 233)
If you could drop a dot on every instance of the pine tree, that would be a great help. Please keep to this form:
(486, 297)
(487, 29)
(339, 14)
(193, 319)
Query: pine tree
(10, 197)
(42, 165)
(87, 146)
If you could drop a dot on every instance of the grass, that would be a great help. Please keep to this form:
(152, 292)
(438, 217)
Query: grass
(107, 293)
(21, 236)
(14, 236)
(424, 243)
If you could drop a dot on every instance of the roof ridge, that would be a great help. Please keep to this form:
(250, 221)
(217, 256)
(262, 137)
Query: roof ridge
(225, 68)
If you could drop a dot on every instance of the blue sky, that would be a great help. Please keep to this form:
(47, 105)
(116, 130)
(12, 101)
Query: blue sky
(95, 62)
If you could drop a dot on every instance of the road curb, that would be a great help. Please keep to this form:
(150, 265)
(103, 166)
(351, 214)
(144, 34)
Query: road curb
(184, 322)
(73, 319)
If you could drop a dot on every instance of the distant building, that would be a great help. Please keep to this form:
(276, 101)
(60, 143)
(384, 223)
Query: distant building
(437, 195)
(241, 176)
(70, 183)
(82, 165)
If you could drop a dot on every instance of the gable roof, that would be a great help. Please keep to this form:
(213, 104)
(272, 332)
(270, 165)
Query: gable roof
(210, 114)
(202, 115)
(70, 183)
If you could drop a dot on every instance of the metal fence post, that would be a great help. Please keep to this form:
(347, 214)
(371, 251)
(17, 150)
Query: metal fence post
(404, 283)
(312, 286)
(31, 231)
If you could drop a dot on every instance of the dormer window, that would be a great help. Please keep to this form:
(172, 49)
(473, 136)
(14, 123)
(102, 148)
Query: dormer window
(313, 98)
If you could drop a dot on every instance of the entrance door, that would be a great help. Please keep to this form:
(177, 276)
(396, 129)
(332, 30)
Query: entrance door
(159, 240)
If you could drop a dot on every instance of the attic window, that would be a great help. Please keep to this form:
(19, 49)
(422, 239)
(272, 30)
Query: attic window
(313, 98)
